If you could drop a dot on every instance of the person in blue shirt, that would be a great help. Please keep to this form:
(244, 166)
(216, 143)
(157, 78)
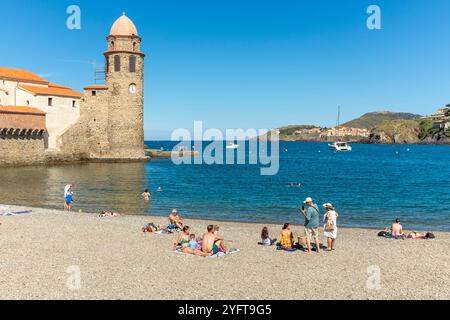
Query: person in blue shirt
(312, 221)
(69, 200)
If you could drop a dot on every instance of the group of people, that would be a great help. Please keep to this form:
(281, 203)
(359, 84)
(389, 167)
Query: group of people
(396, 231)
(210, 244)
(311, 214)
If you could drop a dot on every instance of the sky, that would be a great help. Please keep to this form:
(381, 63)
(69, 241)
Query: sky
(248, 64)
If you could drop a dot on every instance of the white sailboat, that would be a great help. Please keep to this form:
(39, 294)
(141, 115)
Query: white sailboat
(339, 146)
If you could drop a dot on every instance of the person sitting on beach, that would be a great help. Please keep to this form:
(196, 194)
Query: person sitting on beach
(183, 243)
(286, 237)
(209, 246)
(175, 220)
(193, 244)
(397, 229)
(107, 214)
(219, 241)
(146, 195)
(265, 237)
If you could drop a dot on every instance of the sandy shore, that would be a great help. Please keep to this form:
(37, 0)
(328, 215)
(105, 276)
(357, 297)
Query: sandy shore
(117, 261)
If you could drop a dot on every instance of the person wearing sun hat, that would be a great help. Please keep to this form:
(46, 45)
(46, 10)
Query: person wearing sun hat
(311, 215)
(330, 225)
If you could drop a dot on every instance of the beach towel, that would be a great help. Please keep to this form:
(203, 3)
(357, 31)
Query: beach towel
(8, 212)
(218, 255)
(287, 250)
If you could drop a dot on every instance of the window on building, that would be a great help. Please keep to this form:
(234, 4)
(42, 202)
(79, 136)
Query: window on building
(28, 103)
(116, 63)
(94, 93)
(50, 102)
(112, 45)
(74, 104)
(134, 46)
(132, 64)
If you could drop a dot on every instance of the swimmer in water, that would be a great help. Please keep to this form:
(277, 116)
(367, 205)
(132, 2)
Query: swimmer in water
(159, 189)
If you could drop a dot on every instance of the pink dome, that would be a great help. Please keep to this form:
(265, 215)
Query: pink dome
(123, 27)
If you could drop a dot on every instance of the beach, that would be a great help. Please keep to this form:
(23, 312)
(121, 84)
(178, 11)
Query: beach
(115, 260)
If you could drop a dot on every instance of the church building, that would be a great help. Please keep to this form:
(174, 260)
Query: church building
(44, 122)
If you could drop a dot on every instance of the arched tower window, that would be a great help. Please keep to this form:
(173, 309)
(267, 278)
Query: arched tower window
(112, 45)
(132, 66)
(116, 63)
(134, 46)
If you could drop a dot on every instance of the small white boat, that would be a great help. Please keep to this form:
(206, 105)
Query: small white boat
(232, 146)
(340, 146)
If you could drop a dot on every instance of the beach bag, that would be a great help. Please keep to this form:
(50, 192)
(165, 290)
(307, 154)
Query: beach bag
(302, 241)
(430, 235)
(329, 226)
(383, 234)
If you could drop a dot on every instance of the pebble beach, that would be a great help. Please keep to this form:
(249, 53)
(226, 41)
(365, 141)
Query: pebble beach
(116, 261)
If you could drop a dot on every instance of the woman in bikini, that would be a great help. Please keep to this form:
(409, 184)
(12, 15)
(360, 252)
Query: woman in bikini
(182, 243)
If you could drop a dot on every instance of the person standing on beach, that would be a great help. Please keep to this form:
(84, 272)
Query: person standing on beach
(311, 215)
(67, 191)
(146, 195)
(330, 226)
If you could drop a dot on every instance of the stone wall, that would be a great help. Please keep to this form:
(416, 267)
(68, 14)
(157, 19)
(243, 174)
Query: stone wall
(21, 151)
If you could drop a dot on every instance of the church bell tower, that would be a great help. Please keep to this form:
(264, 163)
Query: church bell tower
(125, 83)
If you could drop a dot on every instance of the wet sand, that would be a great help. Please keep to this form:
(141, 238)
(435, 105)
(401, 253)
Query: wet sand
(41, 251)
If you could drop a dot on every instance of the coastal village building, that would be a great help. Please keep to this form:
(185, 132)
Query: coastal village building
(441, 120)
(44, 122)
(60, 104)
(344, 131)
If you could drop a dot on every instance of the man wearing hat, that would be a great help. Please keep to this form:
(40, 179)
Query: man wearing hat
(311, 214)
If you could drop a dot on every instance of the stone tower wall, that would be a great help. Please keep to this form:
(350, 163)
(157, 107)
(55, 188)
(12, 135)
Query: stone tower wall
(125, 109)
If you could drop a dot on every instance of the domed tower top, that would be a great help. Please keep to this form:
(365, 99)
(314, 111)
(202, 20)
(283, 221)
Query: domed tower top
(124, 27)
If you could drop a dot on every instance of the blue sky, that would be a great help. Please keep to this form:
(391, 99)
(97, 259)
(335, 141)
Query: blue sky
(248, 64)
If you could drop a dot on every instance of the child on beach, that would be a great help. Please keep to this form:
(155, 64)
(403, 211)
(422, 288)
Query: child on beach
(265, 237)
(193, 244)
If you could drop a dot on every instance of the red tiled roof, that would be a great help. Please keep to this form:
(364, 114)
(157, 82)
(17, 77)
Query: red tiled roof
(96, 87)
(21, 75)
(54, 85)
(51, 91)
(20, 109)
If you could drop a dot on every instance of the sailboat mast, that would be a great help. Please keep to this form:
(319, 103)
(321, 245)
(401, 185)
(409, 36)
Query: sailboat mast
(339, 117)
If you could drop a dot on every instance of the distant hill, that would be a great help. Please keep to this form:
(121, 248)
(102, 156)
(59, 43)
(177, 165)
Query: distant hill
(373, 119)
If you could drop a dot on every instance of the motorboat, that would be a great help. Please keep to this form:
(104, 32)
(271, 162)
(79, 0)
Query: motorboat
(340, 146)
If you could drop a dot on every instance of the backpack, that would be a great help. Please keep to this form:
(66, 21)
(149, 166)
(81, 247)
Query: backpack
(383, 234)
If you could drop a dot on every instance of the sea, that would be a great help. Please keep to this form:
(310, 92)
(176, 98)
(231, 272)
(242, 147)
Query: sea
(369, 186)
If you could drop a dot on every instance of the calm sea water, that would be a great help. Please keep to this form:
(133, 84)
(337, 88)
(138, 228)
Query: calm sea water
(369, 187)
